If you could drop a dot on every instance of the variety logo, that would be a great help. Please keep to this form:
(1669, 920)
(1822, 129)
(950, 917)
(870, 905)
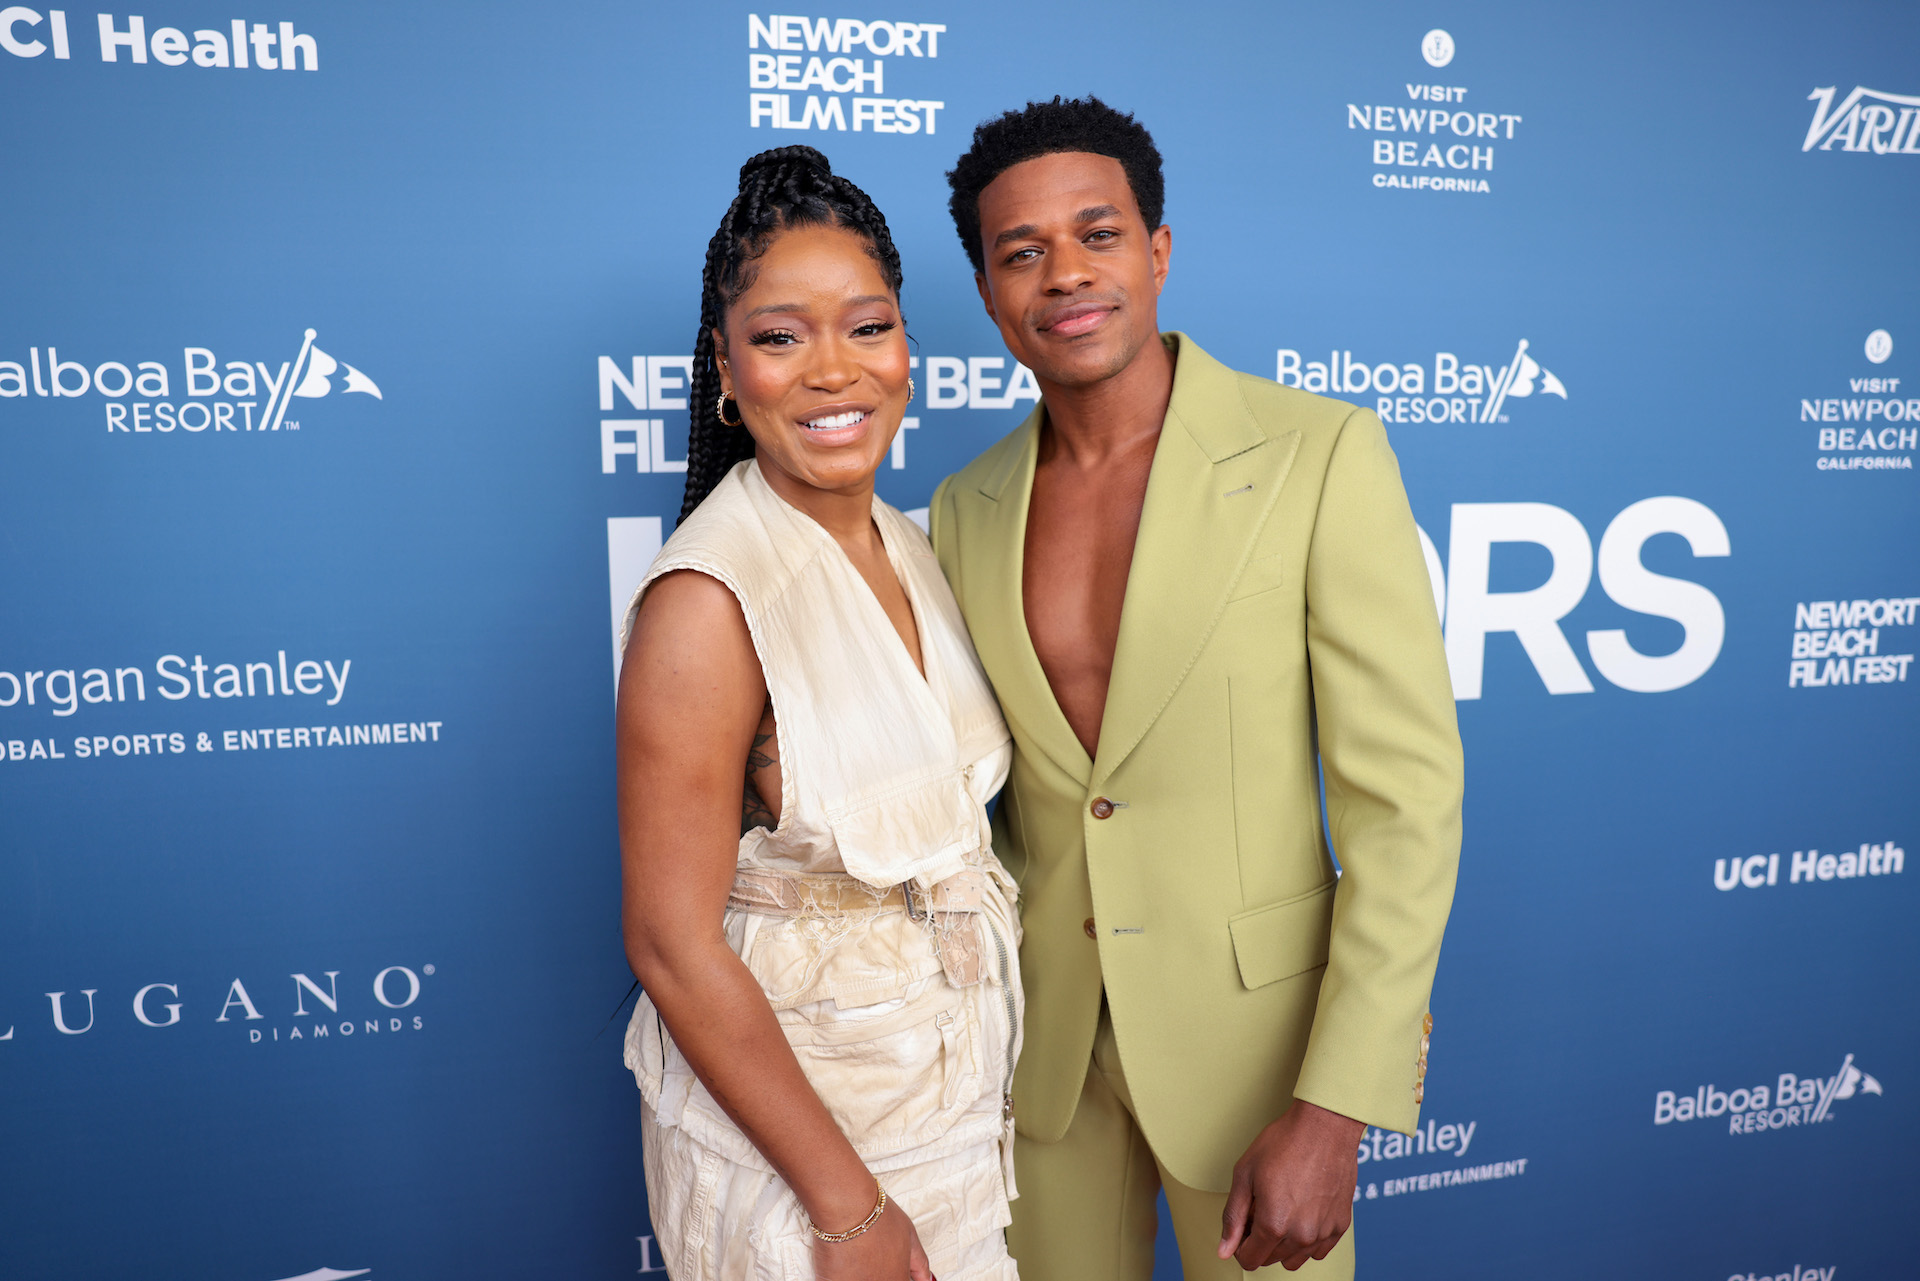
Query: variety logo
(1837, 642)
(1872, 405)
(1433, 141)
(1760, 870)
(268, 46)
(223, 398)
(1791, 1100)
(335, 1015)
(1462, 393)
(818, 53)
(1865, 120)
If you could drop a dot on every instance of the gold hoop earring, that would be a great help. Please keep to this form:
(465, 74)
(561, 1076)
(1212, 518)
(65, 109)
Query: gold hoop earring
(720, 412)
(909, 391)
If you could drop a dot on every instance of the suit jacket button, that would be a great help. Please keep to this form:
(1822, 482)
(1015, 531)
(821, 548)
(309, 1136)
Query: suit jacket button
(1091, 932)
(1102, 807)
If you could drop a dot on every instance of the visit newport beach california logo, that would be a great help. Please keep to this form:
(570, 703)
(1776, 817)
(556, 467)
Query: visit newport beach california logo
(234, 396)
(1434, 140)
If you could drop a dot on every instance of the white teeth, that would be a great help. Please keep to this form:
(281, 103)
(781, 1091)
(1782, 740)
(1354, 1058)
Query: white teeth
(847, 419)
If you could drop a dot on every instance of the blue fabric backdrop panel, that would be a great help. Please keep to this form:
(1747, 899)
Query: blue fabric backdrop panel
(342, 401)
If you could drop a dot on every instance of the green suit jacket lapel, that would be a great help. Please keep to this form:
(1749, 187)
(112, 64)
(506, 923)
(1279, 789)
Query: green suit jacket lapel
(997, 613)
(1216, 477)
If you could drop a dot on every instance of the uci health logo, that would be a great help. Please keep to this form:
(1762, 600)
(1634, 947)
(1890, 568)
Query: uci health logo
(1866, 120)
(1456, 392)
(1790, 1101)
(234, 396)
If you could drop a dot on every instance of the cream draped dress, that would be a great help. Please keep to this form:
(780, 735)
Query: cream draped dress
(875, 915)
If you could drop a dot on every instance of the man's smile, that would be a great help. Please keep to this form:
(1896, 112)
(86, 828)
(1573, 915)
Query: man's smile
(1077, 318)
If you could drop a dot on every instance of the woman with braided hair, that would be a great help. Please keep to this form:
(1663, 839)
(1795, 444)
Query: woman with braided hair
(807, 745)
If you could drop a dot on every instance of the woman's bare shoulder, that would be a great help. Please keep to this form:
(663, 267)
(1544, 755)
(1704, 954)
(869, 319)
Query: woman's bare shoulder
(690, 628)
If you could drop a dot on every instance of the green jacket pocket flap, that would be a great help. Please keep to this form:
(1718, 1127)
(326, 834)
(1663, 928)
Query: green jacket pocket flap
(1283, 939)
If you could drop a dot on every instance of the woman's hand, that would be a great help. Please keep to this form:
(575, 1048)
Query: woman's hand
(887, 1251)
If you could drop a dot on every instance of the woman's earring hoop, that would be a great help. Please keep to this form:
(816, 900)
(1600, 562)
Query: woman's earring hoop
(909, 391)
(720, 412)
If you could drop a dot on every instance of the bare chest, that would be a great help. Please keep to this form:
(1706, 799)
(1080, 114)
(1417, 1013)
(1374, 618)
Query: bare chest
(1079, 549)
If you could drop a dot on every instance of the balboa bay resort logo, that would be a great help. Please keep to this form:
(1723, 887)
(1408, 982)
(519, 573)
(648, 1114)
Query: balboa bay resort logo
(221, 397)
(1866, 120)
(1791, 1100)
(788, 56)
(1433, 141)
(1460, 392)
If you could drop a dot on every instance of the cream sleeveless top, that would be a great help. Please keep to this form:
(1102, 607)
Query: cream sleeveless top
(885, 775)
(874, 916)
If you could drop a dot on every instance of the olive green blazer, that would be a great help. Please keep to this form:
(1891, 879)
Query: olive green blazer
(1279, 622)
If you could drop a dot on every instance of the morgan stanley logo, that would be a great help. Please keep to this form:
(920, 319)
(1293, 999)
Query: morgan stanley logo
(329, 1274)
(1865, 120)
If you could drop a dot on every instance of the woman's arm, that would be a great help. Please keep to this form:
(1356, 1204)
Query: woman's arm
(691, 698)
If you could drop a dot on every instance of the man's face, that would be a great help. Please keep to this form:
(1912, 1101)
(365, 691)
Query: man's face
(1073, 275)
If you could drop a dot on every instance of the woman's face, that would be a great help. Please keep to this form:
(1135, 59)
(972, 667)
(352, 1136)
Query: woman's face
(815, 355)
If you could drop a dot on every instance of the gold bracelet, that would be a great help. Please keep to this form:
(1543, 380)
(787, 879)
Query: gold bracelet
(851, 1233)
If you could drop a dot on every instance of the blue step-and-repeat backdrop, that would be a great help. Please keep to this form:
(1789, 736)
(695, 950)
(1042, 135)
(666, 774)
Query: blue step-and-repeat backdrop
(342, 398)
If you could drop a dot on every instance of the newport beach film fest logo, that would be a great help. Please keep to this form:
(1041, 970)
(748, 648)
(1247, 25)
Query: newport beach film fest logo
(1790, 1101)
(789, 55)
(1866, 120)
(221, 397)
(1403, 393)
(1433, 141)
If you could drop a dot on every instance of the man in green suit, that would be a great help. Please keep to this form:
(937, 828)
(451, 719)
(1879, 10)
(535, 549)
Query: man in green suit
(1196, 592)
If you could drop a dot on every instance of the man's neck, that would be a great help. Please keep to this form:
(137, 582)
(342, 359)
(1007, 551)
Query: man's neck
(1089, 424)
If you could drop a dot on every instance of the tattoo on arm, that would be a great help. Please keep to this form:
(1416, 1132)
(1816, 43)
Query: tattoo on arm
(764, 754)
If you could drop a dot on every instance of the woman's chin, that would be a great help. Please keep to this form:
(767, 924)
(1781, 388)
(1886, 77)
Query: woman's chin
(832, 468)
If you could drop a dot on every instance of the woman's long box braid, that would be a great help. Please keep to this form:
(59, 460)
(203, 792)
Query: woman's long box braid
(782, 188)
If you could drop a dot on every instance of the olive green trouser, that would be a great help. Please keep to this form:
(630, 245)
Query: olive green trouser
(1087, 1208)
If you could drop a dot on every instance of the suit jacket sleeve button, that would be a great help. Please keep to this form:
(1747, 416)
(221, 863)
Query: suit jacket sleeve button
(1102, 807)
(1091, 932)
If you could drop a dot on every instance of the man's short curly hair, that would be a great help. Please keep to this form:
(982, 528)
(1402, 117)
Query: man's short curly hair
(1045, 129)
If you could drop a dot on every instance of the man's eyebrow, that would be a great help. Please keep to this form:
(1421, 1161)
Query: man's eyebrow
(1021, 232)
(1092, 213)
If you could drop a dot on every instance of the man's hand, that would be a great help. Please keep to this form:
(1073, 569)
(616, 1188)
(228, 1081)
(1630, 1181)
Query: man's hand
(1292, 1194)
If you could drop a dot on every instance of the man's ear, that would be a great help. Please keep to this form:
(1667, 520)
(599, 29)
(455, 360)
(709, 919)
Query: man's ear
(1162, 255)
(986, 295)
